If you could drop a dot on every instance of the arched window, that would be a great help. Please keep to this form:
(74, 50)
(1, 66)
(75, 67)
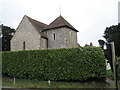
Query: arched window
(24, 45)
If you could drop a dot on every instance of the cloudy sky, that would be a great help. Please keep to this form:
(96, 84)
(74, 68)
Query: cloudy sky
(89, 17)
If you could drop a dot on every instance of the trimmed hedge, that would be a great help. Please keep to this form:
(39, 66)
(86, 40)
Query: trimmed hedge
(56, 64)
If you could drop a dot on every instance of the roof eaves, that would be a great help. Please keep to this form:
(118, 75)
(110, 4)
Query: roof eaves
(44, 37)
(60, 27)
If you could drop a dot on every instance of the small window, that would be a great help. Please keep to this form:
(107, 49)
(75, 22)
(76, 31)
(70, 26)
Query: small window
(65, 39)
(54, 36)
(46, 34)
(24, 45)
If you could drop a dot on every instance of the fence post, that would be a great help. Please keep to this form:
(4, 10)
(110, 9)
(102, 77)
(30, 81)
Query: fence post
(14, 80)
(114, 63)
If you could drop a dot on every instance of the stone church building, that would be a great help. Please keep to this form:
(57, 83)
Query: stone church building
(32, 34)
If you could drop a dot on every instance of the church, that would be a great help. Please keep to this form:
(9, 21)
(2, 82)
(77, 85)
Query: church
(32, 35)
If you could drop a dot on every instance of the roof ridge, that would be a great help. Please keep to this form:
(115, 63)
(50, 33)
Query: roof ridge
(66, 21)
(35, 20)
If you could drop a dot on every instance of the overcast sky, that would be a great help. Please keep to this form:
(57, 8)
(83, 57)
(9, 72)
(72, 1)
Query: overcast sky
(89, 17)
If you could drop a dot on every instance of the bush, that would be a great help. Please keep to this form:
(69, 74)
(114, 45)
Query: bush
(118, 68)
(56, 64)
(109, 74)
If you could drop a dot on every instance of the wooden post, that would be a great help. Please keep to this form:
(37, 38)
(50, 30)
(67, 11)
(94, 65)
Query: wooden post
(14, 80)
(49, 82)
(114, 63)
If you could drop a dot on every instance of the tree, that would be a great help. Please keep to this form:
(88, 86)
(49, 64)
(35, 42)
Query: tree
(101, 43)
(112, 33)
(7, 34)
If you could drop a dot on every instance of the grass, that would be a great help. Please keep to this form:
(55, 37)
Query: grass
(25, 83)
(109, 74)
(0, 80)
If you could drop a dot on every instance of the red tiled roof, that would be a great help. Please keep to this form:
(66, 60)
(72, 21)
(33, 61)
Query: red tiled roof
(59, 22)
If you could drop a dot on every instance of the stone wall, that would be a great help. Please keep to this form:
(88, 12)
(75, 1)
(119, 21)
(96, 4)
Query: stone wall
(61, 38)
(25, 33)
(43, 44)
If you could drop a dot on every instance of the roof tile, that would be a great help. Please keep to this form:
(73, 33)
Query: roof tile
(39, 26)
(59, 22)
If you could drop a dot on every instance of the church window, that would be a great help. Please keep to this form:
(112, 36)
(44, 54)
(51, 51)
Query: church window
(65, 39)
(54, 36)
(46, 34)
(24, 45)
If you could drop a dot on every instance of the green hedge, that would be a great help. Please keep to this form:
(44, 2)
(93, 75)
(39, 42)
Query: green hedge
(55, 64)
(118, 68)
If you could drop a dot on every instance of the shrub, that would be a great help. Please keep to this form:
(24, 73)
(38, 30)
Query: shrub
(56, 64)
(118, 68)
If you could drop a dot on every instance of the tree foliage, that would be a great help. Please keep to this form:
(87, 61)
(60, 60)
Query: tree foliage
(112, 33)
(118, 68)
(7, 34)
(101, 43)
